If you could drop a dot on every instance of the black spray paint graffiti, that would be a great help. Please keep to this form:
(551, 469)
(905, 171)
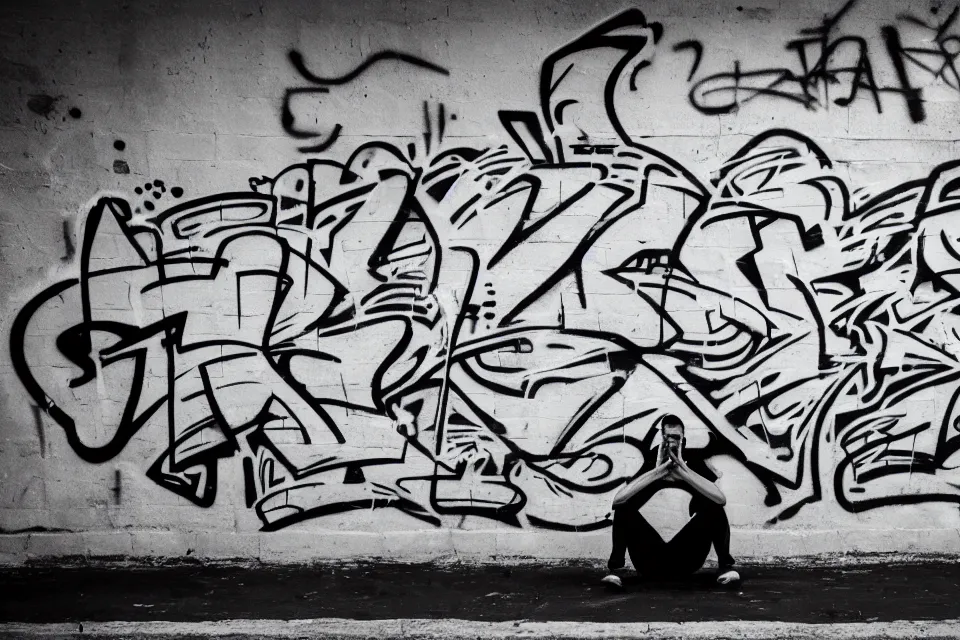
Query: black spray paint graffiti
(496, 331)
(310, 97)
(939, 57)
(832, 69)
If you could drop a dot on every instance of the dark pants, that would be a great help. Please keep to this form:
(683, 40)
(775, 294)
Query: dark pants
(686, 551)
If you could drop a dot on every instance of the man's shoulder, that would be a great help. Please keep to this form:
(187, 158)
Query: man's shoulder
(698, 460)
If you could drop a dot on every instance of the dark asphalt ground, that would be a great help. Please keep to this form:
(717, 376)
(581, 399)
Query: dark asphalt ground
(862, 593)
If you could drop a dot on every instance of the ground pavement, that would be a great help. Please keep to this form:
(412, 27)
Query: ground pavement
(873, 600)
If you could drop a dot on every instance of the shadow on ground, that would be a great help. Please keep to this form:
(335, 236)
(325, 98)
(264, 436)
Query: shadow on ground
(386, 591)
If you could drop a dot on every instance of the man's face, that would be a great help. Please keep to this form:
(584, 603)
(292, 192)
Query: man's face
(673, 437)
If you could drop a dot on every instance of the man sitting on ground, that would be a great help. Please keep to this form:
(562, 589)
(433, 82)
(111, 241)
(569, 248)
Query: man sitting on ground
(688, 549)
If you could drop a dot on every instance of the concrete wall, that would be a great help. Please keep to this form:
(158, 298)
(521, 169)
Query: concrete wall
(299, 280)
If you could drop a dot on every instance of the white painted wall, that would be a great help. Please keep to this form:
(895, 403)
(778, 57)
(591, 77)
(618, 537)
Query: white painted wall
(436, 338)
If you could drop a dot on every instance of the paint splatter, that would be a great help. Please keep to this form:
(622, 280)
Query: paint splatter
(42, 104)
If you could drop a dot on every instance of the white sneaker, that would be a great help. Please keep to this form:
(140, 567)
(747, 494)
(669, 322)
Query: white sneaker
(728, 576)
(613, 580)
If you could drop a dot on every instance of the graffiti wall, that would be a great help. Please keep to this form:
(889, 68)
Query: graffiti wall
(449, 277)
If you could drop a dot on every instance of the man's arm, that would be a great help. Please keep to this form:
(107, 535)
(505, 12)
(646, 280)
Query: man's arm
(700, 484)
(636, 486)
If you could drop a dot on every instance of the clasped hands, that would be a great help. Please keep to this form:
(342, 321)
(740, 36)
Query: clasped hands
(672, 467)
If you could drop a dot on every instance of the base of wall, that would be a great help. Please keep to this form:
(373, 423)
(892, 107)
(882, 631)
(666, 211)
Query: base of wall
(506, 547)
(341, 629)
